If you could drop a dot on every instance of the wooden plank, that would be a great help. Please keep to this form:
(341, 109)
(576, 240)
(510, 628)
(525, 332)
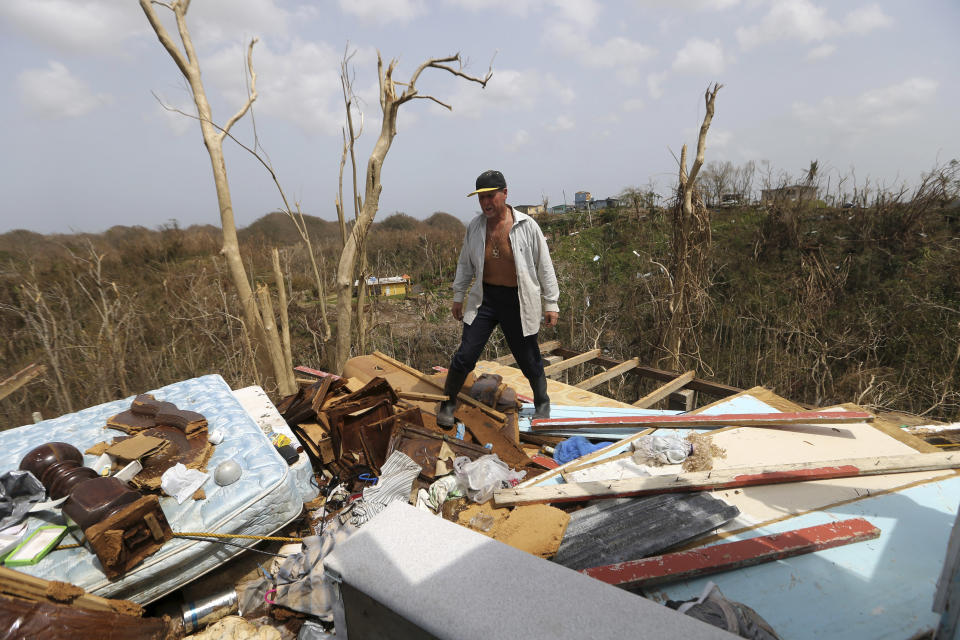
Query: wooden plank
(426, 397)
(486, 432)
(546, 347)
(683, 565)
(609, 374)
(732, 478)
(20, 584)
(493, 413)
(714, 389)
(659, 394)
(699, 421)
(571, 362)
(20, 378)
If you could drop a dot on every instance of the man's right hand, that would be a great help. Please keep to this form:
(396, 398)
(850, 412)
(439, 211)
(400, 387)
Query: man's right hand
(457, 310)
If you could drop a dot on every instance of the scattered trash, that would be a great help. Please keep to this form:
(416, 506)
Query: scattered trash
(481, 477)
(227, 472)
(181, 482)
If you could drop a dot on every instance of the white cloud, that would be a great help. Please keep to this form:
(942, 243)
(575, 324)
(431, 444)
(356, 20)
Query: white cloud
(300, 85)
(866, 19)
(520, 139)
(85, 26)
(695, 5)
(508, 90)
(700, 57)
(633, 104)
(583, 13)
(384, 11)
(54, 92)
(219, 21)
(821, 52)
(561, 123)
(655, 83)
(719, 138)
(513, 7)
(804, 21)
(177, 123)
(574, 41)
(882, 108)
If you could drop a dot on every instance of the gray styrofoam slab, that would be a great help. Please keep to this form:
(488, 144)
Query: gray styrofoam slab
(455, 583)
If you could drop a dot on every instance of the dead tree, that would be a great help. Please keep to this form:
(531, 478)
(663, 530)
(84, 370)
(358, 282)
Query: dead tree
(269, 353)
(366, 209)
(690, 264)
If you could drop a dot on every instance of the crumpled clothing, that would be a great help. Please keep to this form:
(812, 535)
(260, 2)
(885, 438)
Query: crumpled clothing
(667, 449)
(575, 447)
(300, 581)
(19, 491)
(395, 482)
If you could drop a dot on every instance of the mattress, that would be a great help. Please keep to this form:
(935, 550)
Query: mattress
(267, 496)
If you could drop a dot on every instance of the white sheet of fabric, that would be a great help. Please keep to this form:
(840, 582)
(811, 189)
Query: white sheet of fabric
(181, 483)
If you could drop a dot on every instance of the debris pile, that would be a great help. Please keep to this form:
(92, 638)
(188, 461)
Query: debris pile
(641, 503)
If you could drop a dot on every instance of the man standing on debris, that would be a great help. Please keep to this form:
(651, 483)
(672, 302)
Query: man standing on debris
(506, 258)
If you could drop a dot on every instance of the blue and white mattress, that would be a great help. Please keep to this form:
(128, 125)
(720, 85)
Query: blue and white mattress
(268, 495)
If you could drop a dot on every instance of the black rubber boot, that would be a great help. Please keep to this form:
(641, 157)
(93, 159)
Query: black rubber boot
(450, 389)
(541, 401)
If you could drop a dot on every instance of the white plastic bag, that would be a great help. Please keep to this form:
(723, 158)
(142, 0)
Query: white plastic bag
(481, 477)
(668, 449)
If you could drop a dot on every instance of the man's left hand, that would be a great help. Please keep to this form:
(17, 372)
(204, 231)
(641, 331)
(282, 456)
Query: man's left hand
(550, 318)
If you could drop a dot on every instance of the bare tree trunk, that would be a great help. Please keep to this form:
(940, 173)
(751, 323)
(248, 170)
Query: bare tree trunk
(390, 102)
(213, 136)
(284, 314)
(691, 248)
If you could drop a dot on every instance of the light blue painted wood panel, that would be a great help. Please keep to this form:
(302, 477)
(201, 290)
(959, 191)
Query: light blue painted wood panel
(882, 588)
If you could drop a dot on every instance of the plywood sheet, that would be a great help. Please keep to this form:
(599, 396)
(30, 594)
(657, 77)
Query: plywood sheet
(560, 393)
(750, 446)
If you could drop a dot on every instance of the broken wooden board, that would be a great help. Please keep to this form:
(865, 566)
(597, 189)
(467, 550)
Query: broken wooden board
(730, 478)
(664, 390)
(683, 565)
(20, 378)
(22, 585)
(609, 374)
(404, 378)
(619, 530)
(560, 393)
(545, 348)
(22, 618)
(700, 421)
(563, 365)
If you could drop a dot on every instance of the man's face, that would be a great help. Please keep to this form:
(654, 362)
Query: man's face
(492, 203)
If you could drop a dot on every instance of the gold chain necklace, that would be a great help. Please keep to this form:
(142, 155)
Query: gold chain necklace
(495, 250)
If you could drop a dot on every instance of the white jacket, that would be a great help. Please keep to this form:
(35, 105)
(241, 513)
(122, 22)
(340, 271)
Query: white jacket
(536, 279)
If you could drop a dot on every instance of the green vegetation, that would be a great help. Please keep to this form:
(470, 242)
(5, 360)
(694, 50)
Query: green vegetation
(822, 305)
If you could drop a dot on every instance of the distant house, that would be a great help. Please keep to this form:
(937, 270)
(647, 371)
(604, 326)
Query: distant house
(793, 193)
(561, 208)
(604, 203)
(582, 199)
(531, 209)
(391, 286)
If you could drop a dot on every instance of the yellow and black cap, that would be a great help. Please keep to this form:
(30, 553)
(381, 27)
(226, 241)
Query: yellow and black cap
(489, 181)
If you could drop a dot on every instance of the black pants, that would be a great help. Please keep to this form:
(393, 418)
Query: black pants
(501, 305)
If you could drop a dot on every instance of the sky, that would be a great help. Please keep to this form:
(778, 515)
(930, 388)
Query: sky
(585, 95)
